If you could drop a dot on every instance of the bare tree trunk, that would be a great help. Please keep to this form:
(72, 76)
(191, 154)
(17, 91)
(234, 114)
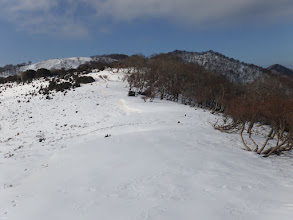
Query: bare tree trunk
(282, 132)
(214, 110)
(250, 130)
(222, 108)
(242, 139)
(274, 149)
(250, 126)
(266, 141)
(288, 147)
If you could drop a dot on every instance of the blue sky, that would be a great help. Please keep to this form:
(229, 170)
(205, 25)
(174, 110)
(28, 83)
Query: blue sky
(258, 32)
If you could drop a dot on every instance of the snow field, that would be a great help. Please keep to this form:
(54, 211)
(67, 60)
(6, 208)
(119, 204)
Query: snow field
(151, 167)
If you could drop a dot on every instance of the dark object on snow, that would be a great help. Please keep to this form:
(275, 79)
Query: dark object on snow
(63, 86)
(84, 80)
(54, 85)
(107, 135)
(131, 93)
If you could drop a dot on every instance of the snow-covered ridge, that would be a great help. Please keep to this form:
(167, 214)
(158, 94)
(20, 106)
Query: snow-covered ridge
(63, 63)
(279, 69)
(66, 63)
(233, 69)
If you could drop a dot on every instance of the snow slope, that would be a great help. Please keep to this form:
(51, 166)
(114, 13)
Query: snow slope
(66, 63)
(151, 166)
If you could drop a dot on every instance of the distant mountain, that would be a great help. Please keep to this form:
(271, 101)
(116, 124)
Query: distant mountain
(233, 69)
(279, 69)
(66, 63)
(73, 62)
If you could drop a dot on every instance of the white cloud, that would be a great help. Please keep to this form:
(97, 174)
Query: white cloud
(195, 12)
(64, 17)
(28, 5)
(43, 17)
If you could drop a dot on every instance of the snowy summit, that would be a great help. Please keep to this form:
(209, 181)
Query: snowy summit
(65, 63)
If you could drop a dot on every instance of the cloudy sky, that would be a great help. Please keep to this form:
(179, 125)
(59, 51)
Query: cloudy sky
(258, 32)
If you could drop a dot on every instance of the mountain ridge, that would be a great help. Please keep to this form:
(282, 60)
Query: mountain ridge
(233, 69)
(279, 69)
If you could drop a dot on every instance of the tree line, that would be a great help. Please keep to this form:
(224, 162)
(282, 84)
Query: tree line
(29, 75)
(13, 69)
(265, 102)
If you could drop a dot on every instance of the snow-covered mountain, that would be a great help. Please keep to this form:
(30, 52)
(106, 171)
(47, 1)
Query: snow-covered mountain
(279, 69)
(233, 69)
(66, 63)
